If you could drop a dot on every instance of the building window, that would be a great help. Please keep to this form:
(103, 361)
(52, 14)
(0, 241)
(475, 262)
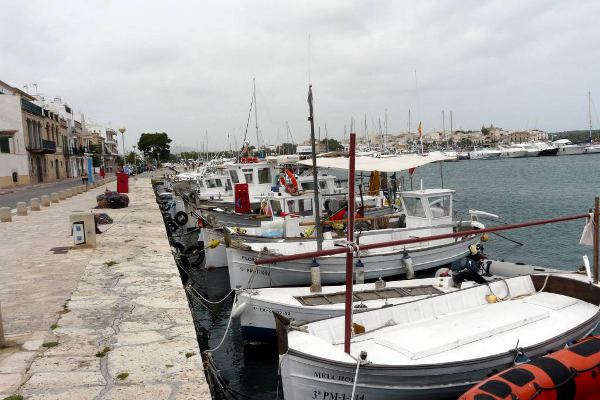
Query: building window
(4, 145)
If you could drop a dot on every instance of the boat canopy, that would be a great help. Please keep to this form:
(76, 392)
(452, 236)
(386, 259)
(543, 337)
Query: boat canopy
(384, 164)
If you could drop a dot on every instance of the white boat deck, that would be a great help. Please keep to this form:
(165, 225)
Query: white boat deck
(289, 295)
(449, 328)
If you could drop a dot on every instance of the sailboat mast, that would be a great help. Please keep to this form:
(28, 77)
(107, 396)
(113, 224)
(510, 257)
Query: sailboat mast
(256, 115)
(386, 130)
(590, 113)
(317, 204)
(409, 135)
(444, 127)
(451, 124)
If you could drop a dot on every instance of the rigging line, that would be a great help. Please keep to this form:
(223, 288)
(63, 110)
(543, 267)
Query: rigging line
(226, 329)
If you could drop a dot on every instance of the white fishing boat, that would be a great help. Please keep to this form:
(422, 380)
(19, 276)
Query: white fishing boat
(484, 153)
(279, 220)
(427, 212)
(567, 148)
(255, 307)
(439, 346)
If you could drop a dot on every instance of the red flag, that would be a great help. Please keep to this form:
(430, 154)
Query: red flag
(411, 170)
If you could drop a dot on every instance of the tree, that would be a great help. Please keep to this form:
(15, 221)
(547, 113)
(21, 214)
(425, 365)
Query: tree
(130, 159)
(485, 131)
(155, 145)
(331, 145)
(286, 148)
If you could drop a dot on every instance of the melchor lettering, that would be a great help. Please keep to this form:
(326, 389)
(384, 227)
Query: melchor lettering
(333, 377)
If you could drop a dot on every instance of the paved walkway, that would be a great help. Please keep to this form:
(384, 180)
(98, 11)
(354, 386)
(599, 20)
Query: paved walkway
(9, 197)
(108, 323)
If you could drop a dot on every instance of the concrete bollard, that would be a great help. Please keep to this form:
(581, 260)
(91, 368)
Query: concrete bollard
(71, 192)
(68, 193)
(54, 197)
(45, 201)
(80, 189)
(34, 204)
(62, 195)
(5, 214)
(21, 208)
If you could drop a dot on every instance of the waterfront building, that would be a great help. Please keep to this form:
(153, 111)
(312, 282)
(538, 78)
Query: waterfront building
(14, 168)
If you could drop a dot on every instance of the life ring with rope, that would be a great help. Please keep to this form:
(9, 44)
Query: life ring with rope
(292, 186)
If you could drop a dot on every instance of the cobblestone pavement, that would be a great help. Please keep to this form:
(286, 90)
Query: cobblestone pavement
(107, 323)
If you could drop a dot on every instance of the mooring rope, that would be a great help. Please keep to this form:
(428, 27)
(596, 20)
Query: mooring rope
(227, 328)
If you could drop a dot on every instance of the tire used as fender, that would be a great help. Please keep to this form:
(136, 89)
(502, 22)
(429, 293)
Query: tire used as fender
(181, 218)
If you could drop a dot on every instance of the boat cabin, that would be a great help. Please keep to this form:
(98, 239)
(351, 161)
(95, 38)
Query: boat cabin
(428, 208)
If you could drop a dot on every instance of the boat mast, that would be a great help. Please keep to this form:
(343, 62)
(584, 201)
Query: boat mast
(316, 205)
(450, 123)
(386, 130)
(444, 127)
(409, 137)
(256, 116)
(590, 113)
(350, 240)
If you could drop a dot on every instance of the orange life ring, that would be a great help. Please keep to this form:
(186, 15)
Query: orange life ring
(568, 373)
(292, 187)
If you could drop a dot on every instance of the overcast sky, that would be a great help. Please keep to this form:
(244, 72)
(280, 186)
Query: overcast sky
(187, 67)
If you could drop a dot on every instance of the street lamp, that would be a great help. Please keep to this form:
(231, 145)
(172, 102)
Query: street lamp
(122, 130)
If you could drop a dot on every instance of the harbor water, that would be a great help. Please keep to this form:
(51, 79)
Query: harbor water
(519, 189)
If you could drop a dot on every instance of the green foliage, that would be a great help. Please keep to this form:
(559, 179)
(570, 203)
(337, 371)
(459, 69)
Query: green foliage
(102, 353)
(14, 397)
(131, 158)
(122, 376)
(155, 145)
(575, 136)
(50, 345)
(286, 148)
(331, 145)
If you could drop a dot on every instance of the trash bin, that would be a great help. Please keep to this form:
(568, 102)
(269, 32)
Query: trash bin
(122, 182)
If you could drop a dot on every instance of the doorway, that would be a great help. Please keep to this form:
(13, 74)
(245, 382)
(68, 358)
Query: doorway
(40, 174)
(56, 169)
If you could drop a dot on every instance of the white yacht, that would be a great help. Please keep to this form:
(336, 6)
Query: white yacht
(566, 147)
(511, 152)
(484, 153)
(530, 150)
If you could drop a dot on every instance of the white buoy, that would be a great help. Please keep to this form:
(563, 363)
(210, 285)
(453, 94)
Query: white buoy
(408, 266)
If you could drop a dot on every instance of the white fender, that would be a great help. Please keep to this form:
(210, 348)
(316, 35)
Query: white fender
(238, 309)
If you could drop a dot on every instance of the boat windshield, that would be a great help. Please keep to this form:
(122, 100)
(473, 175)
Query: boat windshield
(414, 207)
(440, 206)
(234, 176)
(264, 175)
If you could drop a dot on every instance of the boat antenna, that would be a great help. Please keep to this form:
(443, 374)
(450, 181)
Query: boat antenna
(316, 205)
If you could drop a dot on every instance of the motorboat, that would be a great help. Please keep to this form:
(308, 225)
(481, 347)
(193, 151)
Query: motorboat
(427, 212)
(530, 150)
(567, 148)
(512, 152)
(484, 153)
(439, 346)
(545, 149)
(592, 148)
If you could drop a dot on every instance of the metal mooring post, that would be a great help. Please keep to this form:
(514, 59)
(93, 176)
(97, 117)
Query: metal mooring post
(2, 341)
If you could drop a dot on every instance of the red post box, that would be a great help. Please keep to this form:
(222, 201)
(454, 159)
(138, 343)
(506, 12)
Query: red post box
(122, 182)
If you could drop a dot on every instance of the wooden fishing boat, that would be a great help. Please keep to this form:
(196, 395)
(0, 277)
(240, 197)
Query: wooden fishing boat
(437, 347)
(428, 212)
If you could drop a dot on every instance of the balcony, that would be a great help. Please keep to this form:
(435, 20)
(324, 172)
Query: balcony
(42, 147)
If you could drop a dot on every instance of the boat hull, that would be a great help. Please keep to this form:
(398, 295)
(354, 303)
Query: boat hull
(244, 273)
(570, 150)
(306, 377)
